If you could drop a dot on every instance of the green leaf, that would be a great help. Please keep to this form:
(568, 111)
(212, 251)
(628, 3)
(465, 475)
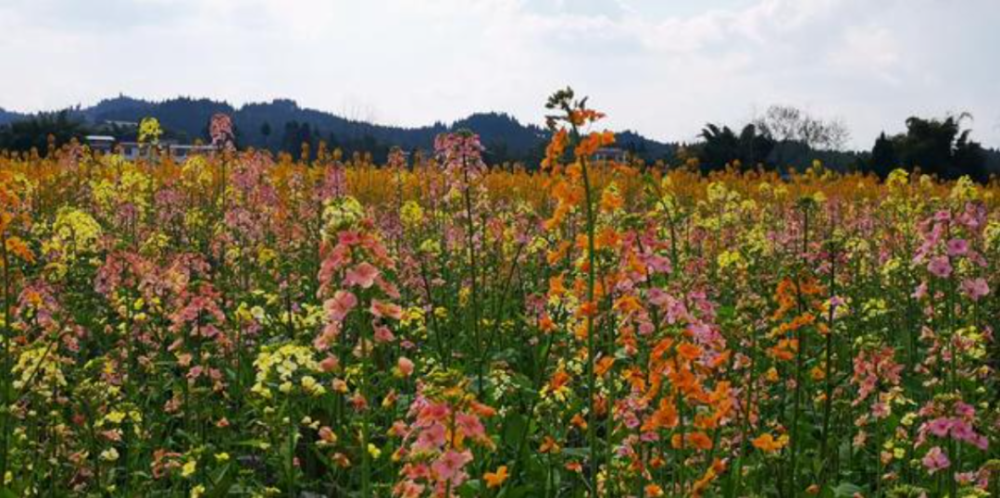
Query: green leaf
(470, 488)
(514, 428)
(583, 453)
(223, 482)
(846, 489)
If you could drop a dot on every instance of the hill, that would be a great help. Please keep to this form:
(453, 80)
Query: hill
(284, 125)
(8, 116)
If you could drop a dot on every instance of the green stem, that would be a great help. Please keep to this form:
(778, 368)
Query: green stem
(591, 343)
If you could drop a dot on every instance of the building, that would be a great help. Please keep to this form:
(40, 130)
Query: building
(134, 150)
(612, 154)
(100, 143)
(180, 153)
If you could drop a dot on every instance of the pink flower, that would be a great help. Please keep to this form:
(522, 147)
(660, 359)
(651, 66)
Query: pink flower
(657, 264)
(383, 334)
(979, 441)
(405, 366)
(940, 426)
(362, 275)
(940, 266)
(975, 288)
(327, 337)
(449, 466)
(381, 309)
(433, 412)
(936, 460)
(409, 489)
(957, 247)
(962, 431)
(326, 435)
(340, 305)
(470, 425)
(880, 410)
(965, 410)
(430, 439)
(329, 364)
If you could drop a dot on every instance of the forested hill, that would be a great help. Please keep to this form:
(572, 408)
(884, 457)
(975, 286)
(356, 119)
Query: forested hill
(284, 125)
(8, 116)
(783, 138)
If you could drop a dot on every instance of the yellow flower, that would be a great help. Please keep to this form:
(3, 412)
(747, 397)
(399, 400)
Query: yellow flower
(411, 214)
(898, 178)
(149, 130)
(109, 455)
(74, 230)
(430, 247)
(964, 190)
(908, 419)
(341, 213)
(189, 468)
(728, 258)
(222, 457)
(115, 417)
(374, 451)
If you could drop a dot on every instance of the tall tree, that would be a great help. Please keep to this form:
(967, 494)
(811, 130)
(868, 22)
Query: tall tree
(34, 132)
(794, 130)
(884, 158)
(941, 147)
(722, 146)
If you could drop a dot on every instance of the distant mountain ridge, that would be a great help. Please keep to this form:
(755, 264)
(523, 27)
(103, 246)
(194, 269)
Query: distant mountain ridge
(8, 116)
(283, 125)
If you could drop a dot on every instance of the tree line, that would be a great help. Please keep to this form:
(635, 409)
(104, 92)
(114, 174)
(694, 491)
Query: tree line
(782, 138)
(786, 138)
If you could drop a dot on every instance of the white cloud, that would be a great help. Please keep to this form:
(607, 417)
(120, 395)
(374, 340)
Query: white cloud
(662, 68)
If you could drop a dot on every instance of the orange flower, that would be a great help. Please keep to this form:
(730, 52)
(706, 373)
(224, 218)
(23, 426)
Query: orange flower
(556, 287)
(558, 253)
(817, 373)
(495, 479)
(688, 351)
(603, 365)
(581, 116)
(555, 149)
(785, 350)
(768, 444)
(628, 304)
(545, 324)
(699, 440)
(17, 247)
(664, 416)
(611, 200)
(482, 410)
(588, 309)
(653, 491)
(710, 474)
(607, 238)
(558, 380)
(549, 445)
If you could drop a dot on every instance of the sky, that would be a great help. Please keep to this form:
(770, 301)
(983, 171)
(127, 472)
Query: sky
(661, 67)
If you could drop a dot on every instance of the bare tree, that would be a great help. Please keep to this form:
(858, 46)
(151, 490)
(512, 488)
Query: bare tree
(789, 124)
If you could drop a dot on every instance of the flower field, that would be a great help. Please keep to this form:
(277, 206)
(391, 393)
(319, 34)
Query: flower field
(242, 325)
